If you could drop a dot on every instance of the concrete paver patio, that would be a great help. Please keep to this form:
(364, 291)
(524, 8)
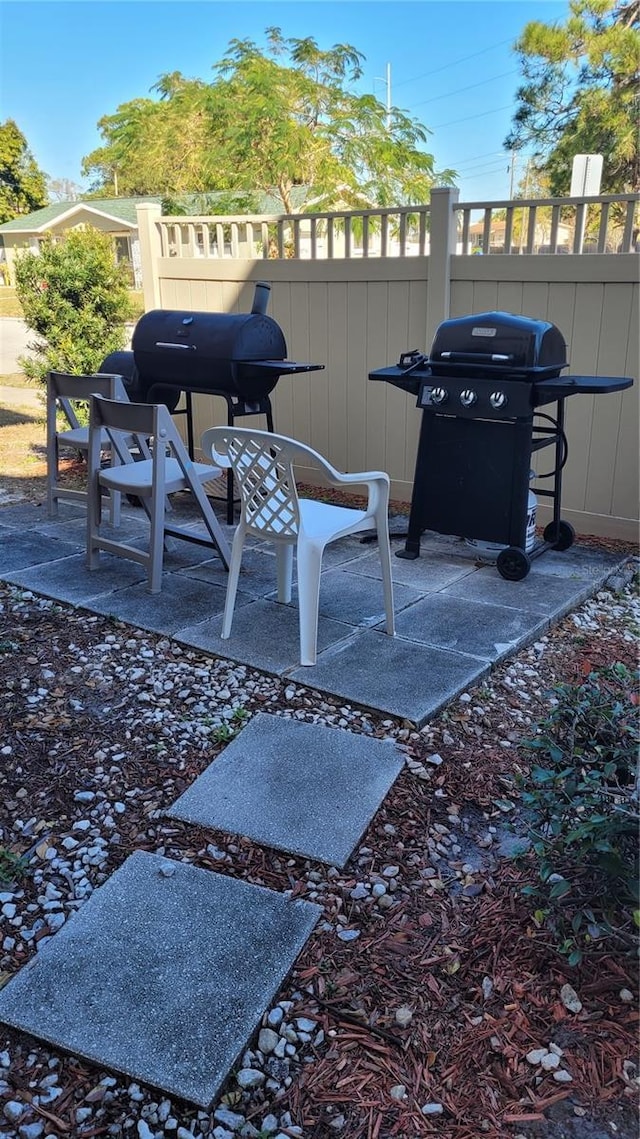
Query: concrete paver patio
(454, 617)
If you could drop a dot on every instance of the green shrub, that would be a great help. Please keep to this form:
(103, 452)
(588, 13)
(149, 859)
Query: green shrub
(581, 795)
(75, 298)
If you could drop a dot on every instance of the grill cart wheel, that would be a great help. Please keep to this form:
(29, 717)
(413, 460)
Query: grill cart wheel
(513, 564)
(562, 538)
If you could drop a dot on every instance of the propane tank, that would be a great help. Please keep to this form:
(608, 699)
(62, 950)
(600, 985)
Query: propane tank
(488, 551)
(532, 507)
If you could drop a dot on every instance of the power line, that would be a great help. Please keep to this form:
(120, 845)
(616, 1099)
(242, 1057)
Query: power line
(491, 168)
(466, 118)
(459, 90)
(477, 157)
(454, 62)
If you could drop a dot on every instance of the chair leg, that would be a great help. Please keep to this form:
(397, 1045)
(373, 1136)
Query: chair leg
(211, 522)
(156, 543)
(94, 517)
(284, 559)
(115, 497)
(52, 478)
(232, 583)
(384, 549)
(309, 570)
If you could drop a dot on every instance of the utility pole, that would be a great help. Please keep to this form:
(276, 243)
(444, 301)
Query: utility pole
(387, 83)
(513, 173)
(526, 192)
(388, 96)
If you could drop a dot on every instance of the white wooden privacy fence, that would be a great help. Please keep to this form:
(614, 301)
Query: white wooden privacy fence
(391, 277)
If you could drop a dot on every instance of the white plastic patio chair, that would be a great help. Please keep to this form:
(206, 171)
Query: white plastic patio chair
(165, 467)
(64, 392)
(271, 509)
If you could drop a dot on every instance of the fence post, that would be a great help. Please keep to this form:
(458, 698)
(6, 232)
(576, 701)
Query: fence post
(149, 214)
(442, 245)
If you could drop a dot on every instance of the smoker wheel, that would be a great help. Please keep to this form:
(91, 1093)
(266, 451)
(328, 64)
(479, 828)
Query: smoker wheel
(513, 564)
(561, 538)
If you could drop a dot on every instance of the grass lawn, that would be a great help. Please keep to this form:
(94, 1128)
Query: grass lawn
(22, 438)
(10, 305)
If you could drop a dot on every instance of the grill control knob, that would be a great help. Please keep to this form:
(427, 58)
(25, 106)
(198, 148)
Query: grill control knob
(498, 400)
(468, 397)
(438, 396)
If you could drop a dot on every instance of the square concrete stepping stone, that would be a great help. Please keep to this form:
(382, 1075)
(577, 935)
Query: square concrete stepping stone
(583, 562)
(394, 675)
(163, 974)
(75, 529)
(303, 788)
(548, 594)
(356, 599)
(258, 574)
(26, 514)
(180, 602)
(451, 622)
(21, 548)
(264, 634)
(68, 579)
(427, 574)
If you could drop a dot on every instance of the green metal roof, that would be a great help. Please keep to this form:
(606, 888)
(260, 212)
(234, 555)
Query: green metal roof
(122, 208)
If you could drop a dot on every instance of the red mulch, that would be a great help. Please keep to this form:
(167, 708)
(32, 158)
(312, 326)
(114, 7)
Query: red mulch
(461, 1044)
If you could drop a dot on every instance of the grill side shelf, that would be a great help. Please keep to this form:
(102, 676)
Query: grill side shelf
(396, 376)
(563, 386)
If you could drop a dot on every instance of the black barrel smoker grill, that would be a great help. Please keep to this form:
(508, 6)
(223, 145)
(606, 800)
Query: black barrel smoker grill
(479, 390)
(238, 356)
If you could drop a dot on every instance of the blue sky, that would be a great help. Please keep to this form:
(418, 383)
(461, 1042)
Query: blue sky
(64, 65)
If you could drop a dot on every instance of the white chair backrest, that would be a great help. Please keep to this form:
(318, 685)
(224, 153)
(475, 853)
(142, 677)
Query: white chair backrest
(262, 464)
(144, 421)
(63, 388)
(112, 415)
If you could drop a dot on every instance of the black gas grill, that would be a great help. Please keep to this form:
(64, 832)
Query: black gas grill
(239, 356)
(480, 390)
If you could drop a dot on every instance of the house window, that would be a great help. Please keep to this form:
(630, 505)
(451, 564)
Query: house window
(122, 248)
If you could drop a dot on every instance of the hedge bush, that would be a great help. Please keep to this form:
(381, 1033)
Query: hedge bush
(75, 298)
(581, 799)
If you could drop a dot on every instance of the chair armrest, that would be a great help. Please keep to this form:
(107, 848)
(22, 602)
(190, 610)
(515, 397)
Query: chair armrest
(377, 483)
(358, 477)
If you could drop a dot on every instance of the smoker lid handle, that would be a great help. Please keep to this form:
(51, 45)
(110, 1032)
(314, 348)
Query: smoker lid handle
(178, 347)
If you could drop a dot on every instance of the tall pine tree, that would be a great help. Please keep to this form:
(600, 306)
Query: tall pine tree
(580, 93)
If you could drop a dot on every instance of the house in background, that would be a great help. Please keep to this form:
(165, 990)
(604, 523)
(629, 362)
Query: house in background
(519, 235)
(115, 216)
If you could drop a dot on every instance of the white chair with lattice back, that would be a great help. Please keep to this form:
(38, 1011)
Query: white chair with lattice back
(262, 464)
(163, 469)
(64, 393)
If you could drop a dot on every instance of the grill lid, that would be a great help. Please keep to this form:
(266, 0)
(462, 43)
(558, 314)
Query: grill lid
(490, 343)
(214, 336)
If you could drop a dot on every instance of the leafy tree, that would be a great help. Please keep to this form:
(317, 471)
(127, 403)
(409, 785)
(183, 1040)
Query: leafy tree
(581, 94)
(22, 184)
(75, 298)
(64, 190)
(272, 119)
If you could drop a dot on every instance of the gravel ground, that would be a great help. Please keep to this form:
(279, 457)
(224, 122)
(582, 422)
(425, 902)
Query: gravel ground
(105, 725)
